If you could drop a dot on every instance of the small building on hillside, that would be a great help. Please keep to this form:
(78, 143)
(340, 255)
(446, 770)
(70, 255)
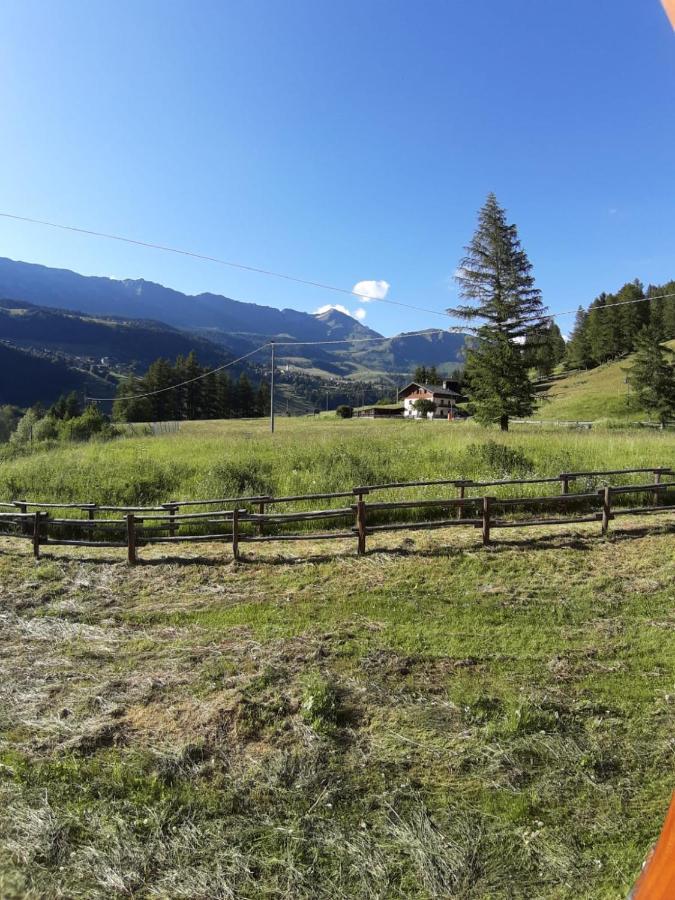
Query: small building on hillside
(446, 396)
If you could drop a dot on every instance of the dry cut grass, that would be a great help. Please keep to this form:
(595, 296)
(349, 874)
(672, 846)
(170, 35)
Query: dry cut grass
(433, 720)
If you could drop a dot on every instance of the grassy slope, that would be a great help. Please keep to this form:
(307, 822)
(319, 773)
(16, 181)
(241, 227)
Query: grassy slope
(435, 720)
(600, 393)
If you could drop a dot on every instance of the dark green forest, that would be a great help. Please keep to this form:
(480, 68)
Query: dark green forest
(207, 395)
(604, 332)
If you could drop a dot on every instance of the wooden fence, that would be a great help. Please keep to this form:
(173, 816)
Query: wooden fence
(239, 520)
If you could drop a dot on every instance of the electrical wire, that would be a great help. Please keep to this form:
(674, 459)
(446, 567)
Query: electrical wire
(172, 387)
(453, 330)
(222, 262)
(269, 272)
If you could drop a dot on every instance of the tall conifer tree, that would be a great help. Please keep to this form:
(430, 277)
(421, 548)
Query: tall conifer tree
(495, 278)
(652, 376)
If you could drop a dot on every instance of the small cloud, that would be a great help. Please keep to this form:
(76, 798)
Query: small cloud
(359, 313)
(371, 290)
(327, 308)
(613, 211)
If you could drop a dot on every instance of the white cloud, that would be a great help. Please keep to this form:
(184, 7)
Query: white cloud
(371, 290)
(359, 313)
(327, 308)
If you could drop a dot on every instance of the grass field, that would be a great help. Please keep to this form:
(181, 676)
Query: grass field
(433, 720)
(600, 393)
(307, 455)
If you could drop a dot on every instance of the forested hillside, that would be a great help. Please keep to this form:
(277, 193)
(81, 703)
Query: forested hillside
(207, 395)
(26, 378)
(605, 331)
(134, 343)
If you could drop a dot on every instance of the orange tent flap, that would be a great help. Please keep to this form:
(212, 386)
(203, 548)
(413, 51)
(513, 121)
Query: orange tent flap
(669, 6)
(657, 881)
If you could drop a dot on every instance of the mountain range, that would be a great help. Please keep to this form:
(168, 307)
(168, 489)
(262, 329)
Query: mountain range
(134, 321)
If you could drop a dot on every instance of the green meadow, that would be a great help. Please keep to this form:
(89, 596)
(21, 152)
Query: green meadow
(308, 455)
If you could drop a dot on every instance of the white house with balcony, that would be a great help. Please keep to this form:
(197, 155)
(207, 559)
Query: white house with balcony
(445, 396)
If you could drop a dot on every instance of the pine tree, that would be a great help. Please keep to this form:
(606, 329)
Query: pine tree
(224, 396)
(652, 376)
(545, 349)
(577, 352)
(166, 405)
(495, 277)
(262, 400)
(246, 397)
(632, 317)
(130, 408)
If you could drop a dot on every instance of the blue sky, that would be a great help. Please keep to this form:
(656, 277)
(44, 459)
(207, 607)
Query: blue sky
(341, 142)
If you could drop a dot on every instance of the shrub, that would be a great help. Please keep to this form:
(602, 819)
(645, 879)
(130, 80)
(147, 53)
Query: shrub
(319, 702)
(499, 459)
(423, 407)
(344, 411)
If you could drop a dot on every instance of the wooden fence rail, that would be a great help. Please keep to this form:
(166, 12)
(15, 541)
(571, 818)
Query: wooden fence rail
(242, 525)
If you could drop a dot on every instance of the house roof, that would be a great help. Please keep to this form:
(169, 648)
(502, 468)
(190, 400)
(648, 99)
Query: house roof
(431, 388)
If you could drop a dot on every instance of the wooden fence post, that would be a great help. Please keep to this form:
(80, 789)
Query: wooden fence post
(262, 506)
(462, 494)
(131, 538)
(606, 495)
(37, 518)
(487, 504)
(564, 484)
(172, 508)
(657, 480)
(235, 533)
(91, 511)
(361, 525)
(23, 509)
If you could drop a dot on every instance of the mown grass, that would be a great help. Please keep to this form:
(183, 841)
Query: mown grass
(436, 720)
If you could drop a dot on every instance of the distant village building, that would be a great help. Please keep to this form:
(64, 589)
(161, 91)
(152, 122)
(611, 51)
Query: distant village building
(446, 396)
(379, 412)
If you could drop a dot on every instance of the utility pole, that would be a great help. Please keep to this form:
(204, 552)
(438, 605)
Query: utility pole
(272, 393)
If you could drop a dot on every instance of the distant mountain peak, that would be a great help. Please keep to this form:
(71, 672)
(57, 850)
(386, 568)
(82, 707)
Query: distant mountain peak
(240, 327)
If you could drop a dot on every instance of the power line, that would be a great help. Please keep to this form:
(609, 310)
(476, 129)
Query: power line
(318, 284)
(222, 262)
(591, 308)
(452, 330)
(172, 387)
(272, 344)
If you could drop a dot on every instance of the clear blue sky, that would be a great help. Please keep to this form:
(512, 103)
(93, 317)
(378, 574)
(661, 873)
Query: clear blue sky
(341, 141)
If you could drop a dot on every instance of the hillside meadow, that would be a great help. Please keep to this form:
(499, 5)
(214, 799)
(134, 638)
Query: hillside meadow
(434, 719)
(594, 394)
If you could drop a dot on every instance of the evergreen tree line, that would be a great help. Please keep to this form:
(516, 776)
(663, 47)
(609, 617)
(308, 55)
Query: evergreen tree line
(214, 396)
(605, 332)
